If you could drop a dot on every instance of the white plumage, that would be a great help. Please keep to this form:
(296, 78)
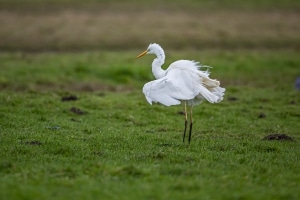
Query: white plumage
(183, 81)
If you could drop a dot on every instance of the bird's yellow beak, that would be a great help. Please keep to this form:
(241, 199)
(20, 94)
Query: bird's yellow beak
(142, 54)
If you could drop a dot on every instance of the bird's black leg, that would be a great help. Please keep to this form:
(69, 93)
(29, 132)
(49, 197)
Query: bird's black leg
(185, 121)
(191, 123)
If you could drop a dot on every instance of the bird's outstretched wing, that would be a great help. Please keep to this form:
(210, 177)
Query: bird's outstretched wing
(177, 85)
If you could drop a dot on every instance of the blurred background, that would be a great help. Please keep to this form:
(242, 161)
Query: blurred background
(77, 25)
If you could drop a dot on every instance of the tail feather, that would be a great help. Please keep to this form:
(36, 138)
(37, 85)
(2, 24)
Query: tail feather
(219, 92)
(211, 90)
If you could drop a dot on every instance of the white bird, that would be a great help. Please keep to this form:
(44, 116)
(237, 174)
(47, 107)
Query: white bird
(183, 81)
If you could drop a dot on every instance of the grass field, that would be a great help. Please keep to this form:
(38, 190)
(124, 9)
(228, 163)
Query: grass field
(75, 124)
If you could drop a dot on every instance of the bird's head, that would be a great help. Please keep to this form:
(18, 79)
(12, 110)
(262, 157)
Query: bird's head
(152, 49)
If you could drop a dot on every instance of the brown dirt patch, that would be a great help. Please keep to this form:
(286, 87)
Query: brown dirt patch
(69, 98)
(262, 115)
(232, 98)
(34, 143)
(280, 137)
(77, 111)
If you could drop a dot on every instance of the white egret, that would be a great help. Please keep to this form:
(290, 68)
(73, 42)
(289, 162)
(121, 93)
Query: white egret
(184, 81)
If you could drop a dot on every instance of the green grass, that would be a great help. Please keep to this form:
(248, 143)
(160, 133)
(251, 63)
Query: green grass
(123, 148)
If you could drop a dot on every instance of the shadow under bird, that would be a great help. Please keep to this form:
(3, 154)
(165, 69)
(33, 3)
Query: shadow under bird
(184, 81)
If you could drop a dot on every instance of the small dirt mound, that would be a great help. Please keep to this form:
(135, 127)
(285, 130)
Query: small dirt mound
(262, 115)
(35, 142)
(232, 98)
(77, 111)
(181, 113)
(69, 98)
(280, 137)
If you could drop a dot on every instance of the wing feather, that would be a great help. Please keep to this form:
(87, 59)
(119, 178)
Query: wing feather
(175, 86)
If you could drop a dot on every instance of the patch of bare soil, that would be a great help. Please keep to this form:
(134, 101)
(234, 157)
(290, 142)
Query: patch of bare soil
(232, 98)
(77, 111)
(181, 113)
(69, 98)
(280, 137)
(262, 115)
(34, 142)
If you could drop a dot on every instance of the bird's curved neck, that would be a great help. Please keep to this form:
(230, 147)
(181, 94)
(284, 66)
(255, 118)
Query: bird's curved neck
(157, 71)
